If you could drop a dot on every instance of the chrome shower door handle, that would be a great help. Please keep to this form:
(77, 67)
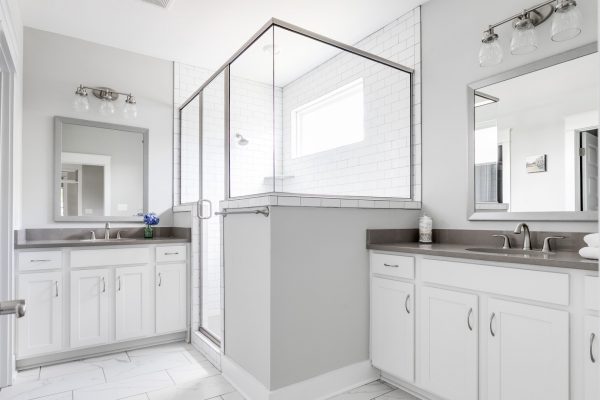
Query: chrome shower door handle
(200, 209)
(16, 307)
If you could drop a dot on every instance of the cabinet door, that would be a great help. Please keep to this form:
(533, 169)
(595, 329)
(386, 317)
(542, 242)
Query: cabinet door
(40, 330)
(592, 358)
(449, 341)
(528, 352)
(134, 302)
(392, 327)
(90, 307)
(170, 298)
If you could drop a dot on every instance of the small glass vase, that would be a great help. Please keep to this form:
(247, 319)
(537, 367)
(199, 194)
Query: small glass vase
(148, 232)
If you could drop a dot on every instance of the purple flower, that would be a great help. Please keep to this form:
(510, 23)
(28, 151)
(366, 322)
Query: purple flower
(151, 219)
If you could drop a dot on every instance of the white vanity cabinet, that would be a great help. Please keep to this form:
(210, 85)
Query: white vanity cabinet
(392, 327)
(484, 330)
(591, 357)
(528, 352)
(449, 333)
(134, 315)
(90, 307)
(170, 297)
(40, 330)
(83, 301)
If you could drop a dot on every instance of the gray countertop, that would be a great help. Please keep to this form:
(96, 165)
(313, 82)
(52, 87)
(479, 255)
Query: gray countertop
(562, 259)
(40, 244)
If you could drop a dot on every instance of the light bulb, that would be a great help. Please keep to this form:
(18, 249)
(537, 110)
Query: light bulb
(81, 103)
(566, 22)
(490, 52)
(524, 37)
(107, 107)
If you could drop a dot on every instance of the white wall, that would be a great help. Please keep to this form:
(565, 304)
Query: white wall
(451, 36)
(54, 66)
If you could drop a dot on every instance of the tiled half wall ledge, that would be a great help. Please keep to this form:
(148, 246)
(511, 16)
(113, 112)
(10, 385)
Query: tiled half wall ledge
(316, 201)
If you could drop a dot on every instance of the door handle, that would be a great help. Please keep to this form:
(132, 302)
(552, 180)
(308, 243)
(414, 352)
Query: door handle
(16, 307)
(406, 304)
(103, 285)
(159, 279)
(491, 324)
(119, 283)
(55, 288)
(592, 339)
(200, 209)
(469, 319)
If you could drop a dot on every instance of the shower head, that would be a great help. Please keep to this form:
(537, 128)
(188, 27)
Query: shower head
(242, 141)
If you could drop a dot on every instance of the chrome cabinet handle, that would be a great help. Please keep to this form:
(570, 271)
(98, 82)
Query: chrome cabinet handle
(119, 283)
(592, 339)
(40, 260)
(159, 279)
(174, 253)
(469, 319)
(55, 288)
(491, 324)
(391, 265)
(103, 285)
(406, 304)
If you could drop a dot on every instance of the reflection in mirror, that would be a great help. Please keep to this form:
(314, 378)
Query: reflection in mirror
(101, 170)
(536, 140)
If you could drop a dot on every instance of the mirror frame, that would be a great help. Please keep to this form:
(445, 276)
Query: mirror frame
(58, 129)
(473, 214)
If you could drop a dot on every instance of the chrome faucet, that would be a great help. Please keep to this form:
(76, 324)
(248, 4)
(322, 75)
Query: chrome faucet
(107, 231)
(522, 227)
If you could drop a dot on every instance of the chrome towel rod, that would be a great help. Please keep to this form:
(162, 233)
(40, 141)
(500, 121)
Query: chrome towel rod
(264, 212)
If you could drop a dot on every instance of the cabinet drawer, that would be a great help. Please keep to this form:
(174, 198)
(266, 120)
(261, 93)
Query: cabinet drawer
(37, 260)
(105, 257)
(393, 265)
(592, 297)
(170, 253)
(549, 287)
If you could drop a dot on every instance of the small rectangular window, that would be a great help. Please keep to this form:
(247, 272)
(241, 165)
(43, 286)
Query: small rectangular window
(331, 121)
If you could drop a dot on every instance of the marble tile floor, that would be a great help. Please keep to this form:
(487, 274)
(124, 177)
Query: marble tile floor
(168, 372)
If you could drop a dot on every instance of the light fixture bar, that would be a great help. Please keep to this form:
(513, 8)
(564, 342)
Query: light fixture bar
(525, 11)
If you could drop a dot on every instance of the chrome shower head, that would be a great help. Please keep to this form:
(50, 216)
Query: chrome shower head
(242, 141)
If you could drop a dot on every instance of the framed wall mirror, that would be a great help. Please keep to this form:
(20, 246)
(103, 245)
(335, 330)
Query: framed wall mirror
(533, 141)
(101, 171)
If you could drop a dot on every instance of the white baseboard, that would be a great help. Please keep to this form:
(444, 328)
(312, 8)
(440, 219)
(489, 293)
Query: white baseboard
(318, 388)
(409, 388)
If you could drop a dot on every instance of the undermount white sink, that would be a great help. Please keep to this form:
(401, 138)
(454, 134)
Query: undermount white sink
(506, 251)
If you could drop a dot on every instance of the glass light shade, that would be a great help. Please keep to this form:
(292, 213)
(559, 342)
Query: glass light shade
(107, 107)
(81, 103)
(524, 38)
(566, 24)
(490, 54)
(130, 111)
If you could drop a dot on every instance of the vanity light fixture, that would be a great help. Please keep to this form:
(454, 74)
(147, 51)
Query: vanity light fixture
(106, 96)
(566, 24)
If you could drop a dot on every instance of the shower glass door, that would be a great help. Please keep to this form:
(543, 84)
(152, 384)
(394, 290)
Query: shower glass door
(212, 189)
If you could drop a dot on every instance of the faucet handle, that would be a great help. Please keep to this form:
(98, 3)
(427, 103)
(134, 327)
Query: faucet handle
(118, 235)
(93, 237)
(546, 248)
(506, 244)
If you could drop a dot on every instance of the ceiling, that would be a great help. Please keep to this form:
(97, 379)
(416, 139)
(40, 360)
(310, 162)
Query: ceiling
(204, 32)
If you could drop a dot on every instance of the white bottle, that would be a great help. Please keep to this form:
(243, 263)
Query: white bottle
(425, 229)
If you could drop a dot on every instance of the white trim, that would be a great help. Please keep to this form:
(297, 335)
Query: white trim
(318, 388)
(207, 349)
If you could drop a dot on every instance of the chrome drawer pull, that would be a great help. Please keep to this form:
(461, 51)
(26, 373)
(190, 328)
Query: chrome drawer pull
(391, 265)
(469, 319)
(159, 279)
(172, 253)
(406, 304)
(491, 323)
(38, 261)
(592, 339)
(55, 288)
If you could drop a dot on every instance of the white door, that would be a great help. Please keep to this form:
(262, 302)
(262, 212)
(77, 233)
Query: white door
(134, 302)
(170, 298)
(90, 307)
(528, 352)
(449, 341)
(592, 358)
(589, 171)
(40, 330)
(392, 327)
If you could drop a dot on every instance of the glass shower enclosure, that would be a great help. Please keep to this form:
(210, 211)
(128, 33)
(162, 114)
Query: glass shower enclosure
(292, 113)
